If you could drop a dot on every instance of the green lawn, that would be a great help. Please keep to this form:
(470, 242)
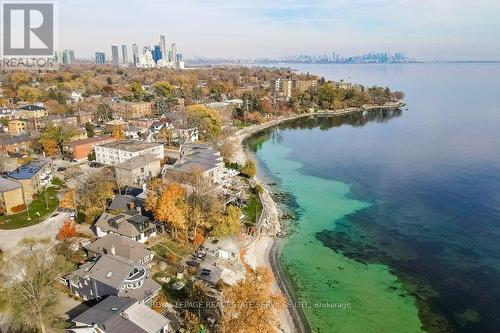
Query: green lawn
(20, 220)
(167, 248)
(252, 209)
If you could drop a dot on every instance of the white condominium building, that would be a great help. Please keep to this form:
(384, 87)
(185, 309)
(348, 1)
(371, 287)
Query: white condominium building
(121, 151)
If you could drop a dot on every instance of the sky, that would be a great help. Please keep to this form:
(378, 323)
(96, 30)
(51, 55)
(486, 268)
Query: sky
(424, 29)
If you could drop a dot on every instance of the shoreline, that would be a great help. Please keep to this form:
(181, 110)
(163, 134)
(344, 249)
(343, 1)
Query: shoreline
(266, 249)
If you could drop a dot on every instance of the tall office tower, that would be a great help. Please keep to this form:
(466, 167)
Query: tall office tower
(115, 55)
(58, 57)
(68, 57)
(179, 57)
(100, 58)
(174, 54)
(135, 54)
(124, 54)
(169, 55)
(156, 53)
(163, 47)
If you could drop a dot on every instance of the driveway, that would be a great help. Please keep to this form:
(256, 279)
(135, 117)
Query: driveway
(48, 228)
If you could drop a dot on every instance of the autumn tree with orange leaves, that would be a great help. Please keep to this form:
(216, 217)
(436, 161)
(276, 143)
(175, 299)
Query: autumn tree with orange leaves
(67, 230)
(168, 204)
(250, 305)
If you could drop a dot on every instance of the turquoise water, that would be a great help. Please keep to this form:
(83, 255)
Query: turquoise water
(398, 214)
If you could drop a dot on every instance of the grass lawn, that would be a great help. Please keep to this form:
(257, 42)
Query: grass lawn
(252, 209)
(20, 220)
(167, 247)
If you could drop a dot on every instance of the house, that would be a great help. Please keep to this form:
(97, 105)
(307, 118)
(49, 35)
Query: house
(17, 127)
(11, 196)
(14, 144)
(33, 176)
(129, 224)
(121, 151)
(198, 158)
(124, 202)
(76, 96)
(225, 248)
(112, 275)
(120, 315)
(80, 149)
(7, 113)
(117, 245)
(110, 125)
(31, 111)
(137, 170)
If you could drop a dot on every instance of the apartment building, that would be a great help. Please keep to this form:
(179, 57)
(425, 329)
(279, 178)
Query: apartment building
(121, 151)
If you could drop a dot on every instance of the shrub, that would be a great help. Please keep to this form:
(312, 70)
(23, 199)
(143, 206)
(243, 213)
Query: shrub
(67, 230)
(19, 208)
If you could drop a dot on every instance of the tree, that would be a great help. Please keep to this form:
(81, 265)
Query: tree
(135, 92)
(92, 195)
(166, 135)
(67, 230)
(103, 112)
(89, 128)
(209, 121)
(32, 295)
(118, 132)
(250, 305)
(163, 89)
(170, 207)
(29, 94)
(228, 149)
(249, 169)
(68, 200)
(53, 137)
(229, 224)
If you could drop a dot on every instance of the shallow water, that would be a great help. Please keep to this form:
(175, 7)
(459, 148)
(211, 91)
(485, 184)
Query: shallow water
(399, 214)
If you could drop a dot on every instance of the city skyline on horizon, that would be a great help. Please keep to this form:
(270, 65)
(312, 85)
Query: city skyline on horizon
(244, 30)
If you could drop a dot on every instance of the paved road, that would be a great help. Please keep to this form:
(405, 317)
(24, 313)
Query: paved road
(48, 228)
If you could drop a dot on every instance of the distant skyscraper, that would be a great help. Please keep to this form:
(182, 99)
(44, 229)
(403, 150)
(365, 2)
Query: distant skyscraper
(100, 58)
(115, 55)
(135, 54)
(170, 55)
(124, 54)
(68, 57)
(156, 53)
(163, 47)
(174, 54)
(58, 57)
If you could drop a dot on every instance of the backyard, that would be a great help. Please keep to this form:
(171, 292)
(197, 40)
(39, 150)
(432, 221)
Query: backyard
(37, 210)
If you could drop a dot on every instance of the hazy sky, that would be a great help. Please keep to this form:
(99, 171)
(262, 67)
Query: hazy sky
(426, 29)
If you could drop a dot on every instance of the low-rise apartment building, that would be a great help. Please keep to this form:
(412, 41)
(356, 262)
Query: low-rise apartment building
(80, 149)
(11, 196)
(33, 176)
(118, 152)
(15, 144)
(137, 170)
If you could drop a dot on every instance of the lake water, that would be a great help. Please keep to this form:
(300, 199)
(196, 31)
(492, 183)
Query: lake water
(398, 226)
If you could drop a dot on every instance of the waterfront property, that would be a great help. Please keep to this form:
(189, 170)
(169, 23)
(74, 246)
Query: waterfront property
(33, 176)
(120, 315)
(129, 224)
(121, 151)
(112, 275)
(117, 245)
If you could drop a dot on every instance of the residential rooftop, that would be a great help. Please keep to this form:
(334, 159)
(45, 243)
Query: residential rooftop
(131, 145)
(137, 162)
(86, 141)
(29, 170)
(8, 185)
(123, 247)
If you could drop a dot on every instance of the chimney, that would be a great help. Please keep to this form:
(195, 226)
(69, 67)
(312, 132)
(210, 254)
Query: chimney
(113, 250)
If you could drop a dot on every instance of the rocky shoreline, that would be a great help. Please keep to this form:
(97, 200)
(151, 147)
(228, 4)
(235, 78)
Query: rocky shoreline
(269, 242)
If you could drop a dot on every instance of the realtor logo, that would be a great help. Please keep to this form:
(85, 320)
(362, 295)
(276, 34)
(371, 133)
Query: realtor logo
(28, 29)
(29, 36)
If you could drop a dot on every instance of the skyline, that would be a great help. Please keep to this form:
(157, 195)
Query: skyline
(213, 28)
